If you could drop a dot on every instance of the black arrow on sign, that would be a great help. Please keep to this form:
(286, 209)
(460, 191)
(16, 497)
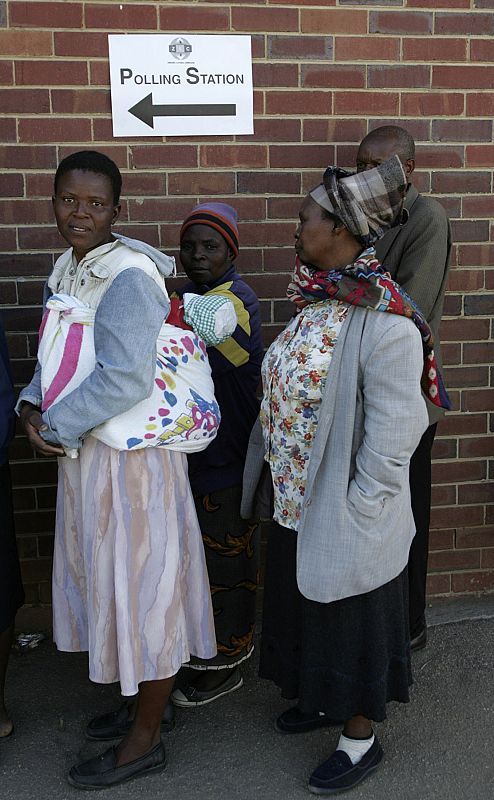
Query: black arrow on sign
(146, 111)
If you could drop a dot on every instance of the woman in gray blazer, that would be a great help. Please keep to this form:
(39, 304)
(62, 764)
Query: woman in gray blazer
(341, 415)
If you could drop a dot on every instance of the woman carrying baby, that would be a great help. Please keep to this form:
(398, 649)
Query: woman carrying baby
(129, 579)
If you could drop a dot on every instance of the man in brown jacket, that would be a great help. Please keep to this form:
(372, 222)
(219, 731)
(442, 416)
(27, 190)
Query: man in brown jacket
(417, 256)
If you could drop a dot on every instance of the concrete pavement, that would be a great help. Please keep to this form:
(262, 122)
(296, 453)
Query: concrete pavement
(439, 747)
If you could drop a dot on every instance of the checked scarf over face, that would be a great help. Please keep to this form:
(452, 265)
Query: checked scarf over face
(365, 283)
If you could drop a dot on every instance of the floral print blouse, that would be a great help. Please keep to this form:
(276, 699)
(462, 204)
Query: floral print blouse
(294, 373)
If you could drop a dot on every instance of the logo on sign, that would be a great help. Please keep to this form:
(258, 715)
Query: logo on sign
(180, 49)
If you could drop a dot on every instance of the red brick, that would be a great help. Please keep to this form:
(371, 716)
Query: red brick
(23, 498)
(24, 101)
(454, 471)
(470, 182)
(487, 558)
(195, 183)
(302, 102)
(233, 155)
(50, 73)
(23, 264)
(467, 582)
(483, 3)
(116, 152)
(438, 585)
(479, 155)
(121, 16)
(464, 230)
(462, 130)
(477, 400)
(468, 77)
(461, 377)
(334, 130)
(466, 24)
(270, 285)
(300, 47)
(476, 492)
(269, 182)
(8, 293)
(452, 305)
(434, 49)
(302, 2)
(480, 104)
(37, 157)
(304, 156)
(465, 280)
(25, 43)
(432, 104)
(444, 448)
(482, 50)
(479, 304)
(99, 73)
(6, 73)
(451, 352)
(475, 537)
(8, 130)
(284, 208)
(489, 279)
(81, 43)
(162, 209)
(333, 76)
(40, 238)
(478, 353)
(402, 22)
(333, 21)
(265, 19)
(362, 104)
(273, 130)
(447, 560)
(451, 516)
(481, 255)
(472, 447)
(459, 424)
(479, 206)
(81, 101)
(275, 74)
(443, 496)
(61, 129)
(19, 212)
(457, 330)
(163, 156)
(363, 48)
(12, 185)
(438, 4)
(35, 15)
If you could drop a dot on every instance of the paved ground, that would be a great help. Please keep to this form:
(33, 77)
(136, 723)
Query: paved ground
(439, 747)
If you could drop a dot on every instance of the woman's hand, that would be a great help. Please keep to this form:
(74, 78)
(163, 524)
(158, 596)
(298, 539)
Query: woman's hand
(32, 422)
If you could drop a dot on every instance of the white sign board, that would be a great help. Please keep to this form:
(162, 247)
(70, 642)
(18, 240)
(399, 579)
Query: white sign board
(179, 85)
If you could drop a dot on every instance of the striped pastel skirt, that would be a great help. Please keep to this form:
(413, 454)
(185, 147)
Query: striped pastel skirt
(129, 577)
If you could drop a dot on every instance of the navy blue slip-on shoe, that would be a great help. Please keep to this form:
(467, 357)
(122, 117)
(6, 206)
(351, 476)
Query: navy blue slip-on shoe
(295, 721)
(116, 724)
(102, 771)
(338, 773)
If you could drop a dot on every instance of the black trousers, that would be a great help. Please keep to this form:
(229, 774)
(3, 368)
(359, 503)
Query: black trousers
(420, 489)
(11, 591)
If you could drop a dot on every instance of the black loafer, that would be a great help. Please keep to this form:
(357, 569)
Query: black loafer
(116, 724)
(419, 641)
(102, 771)
(295, 721)
(338, 773)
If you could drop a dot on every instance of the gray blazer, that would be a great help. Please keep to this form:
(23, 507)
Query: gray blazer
(357, 524)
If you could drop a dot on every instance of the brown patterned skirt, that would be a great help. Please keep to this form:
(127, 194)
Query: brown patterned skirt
(232, 556)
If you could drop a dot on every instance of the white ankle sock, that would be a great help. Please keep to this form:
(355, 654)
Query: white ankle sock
(355, 748)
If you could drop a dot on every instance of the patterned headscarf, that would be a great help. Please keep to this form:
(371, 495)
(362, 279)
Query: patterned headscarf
(367, 203)
(366, 283)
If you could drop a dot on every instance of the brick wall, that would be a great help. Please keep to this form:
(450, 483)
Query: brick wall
(325, 73)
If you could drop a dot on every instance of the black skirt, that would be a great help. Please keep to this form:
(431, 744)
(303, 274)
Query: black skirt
(345, 658)
(11, 591)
